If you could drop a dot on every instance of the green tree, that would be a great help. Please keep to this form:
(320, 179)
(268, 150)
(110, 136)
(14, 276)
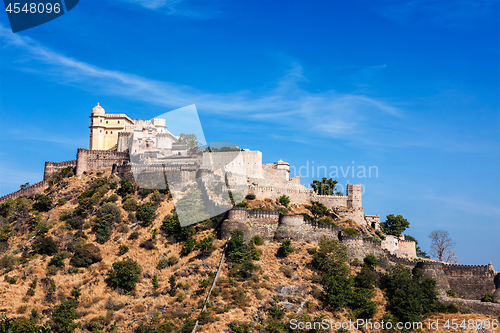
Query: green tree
(284, 200)
(410, 295)
(146, 213)
(317, 209)
(86, 255)
(125, 274)
(236, 247)
(190, 139)
(285, 249)
(64, 315)
(325, 186)
(42, 203)
(395, 225)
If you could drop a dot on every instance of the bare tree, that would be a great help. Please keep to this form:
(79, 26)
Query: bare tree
(442, 245)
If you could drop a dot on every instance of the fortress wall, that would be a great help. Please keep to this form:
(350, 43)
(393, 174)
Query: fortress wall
(53, 167)
(36, 188)
(246, 162)
(470, 281)
(330, 201)
(294, 227)
(299, 196)
(123, 138)
(98, 159)
(473, 306)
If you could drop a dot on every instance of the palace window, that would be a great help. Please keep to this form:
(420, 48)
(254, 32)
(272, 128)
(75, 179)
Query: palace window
(101, 120)
(118, 121)
(111, 132)
(106, 132)
(101, 131)
(106, 121)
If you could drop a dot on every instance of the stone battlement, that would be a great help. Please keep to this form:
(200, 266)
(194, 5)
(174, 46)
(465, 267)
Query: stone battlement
(53, 167)
(29, 191)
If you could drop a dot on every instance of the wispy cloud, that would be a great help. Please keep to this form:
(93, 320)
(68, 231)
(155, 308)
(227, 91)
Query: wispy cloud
(329, 113)
(467, 205)
(177, 8)
(355, 118)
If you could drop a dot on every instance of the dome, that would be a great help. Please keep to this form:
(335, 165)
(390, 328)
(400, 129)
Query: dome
(98, 110)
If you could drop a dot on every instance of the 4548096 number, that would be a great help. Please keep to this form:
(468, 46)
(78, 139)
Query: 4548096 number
(34, 8)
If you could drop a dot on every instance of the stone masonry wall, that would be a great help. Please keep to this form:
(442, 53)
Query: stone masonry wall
(470, 281)
(98, 159)
(53, 167)
(473, 306)
(36, 188)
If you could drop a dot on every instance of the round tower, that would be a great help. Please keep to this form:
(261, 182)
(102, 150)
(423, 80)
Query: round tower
(97, 127)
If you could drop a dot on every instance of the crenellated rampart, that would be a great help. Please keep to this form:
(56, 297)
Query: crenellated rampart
(29, 191)
(98, 159)
(53, 167)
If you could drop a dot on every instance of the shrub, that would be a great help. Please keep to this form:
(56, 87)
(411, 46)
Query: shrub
(10, 280)
(171, 225)
(81, 234)
(86, 255)
(57, 260)
(63, 317)
(318, 209)
(61, 174)
(451, 293)
(285, 249)
(487, 298)
(125, 187)
(242, 204)
(206, 244)
(130, 204)
(134, 235)
(146, 213)
(46, 245)
(113, 198)
(148, 245)
(250, 196)
(204, 283)
(371, 260)
(155, 283)
(122, 249)
(188, 247)
(75, 222)
(277, 312)
(445, 309)
(125, 274)
(257, 240)
(110, 209)
(42, 203)
(155, 198)
(350, 232)
(113, 185)
(237, 327)
(236, 247)
(284, 200)
(173, 285)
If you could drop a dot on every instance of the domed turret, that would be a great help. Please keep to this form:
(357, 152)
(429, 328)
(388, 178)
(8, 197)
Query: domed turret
(98, 110)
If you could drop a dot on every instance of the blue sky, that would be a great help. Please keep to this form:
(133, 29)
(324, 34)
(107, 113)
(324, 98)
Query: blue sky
(411, 88)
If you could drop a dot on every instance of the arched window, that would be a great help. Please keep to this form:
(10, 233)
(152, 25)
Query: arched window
(106, 132)
(101, 120)
(111, 132)
(101, 131)
(118, 121)
(106, 121)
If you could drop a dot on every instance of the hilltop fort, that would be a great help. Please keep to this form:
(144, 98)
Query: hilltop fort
(113, 138)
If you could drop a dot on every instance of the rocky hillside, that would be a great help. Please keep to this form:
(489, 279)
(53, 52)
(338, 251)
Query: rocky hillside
(96, 254)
